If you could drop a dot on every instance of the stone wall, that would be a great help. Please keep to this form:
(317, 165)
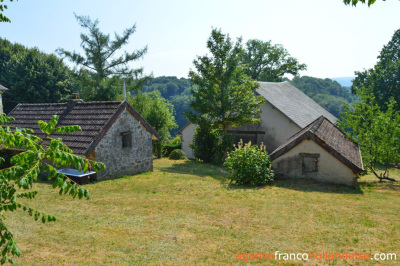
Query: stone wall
(121, 161)
(330, 169)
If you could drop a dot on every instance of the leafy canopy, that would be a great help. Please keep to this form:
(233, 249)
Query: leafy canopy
(2, 9)
(355, 2)
(100, 51)
(36, 156)
(32, 76)
(326, 92)
(223, 95)
(158, 112)
(376, 131)
(267, 62)
(383, 79)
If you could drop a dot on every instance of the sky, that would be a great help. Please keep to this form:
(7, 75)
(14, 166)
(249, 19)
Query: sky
(332, 39)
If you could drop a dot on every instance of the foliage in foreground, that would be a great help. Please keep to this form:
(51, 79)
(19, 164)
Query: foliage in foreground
(3, 7)
(355, 2)
(249, 165)
(376, 131)
(37, 155)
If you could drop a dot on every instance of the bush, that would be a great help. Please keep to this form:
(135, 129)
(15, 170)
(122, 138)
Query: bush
(205, 143)
(168, 148)
(211, 146)
(177, 155)
(175, 141)
(174, 144)
(249, 165)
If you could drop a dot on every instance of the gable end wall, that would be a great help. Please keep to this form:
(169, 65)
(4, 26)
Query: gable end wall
(330, 169)
(125, 161)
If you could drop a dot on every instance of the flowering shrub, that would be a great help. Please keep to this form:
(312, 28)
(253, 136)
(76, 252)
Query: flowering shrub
(249, 165)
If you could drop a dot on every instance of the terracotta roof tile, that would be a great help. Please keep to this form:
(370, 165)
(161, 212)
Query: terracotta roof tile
(92, 117)
(328, 136)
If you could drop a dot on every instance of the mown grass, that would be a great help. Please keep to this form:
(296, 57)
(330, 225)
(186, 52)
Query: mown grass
(186, 213)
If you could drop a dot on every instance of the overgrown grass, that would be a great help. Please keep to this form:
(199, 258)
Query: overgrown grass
(185, 213)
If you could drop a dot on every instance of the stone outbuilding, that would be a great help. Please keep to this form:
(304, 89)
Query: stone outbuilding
(320, 151)
(112, 133)
(286, 111)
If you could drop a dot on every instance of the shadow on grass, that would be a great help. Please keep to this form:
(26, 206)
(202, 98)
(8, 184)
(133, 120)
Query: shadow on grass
(196, 168)
(380, 185)
(306, 185)
(218, 173)
(310, 185)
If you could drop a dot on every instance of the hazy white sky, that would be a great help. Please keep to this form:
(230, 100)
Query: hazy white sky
(334, 40)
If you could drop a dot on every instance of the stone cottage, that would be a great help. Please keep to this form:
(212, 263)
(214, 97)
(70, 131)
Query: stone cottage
(286, 111)
(112, 133)
(320, 151)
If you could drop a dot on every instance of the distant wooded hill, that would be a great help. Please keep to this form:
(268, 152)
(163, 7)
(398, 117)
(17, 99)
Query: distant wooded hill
(328, 93)
(344, 81)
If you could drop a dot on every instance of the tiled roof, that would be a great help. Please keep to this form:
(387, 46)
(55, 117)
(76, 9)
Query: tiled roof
(2, 88)
(329, 137)
(293, 103)
(94, 118)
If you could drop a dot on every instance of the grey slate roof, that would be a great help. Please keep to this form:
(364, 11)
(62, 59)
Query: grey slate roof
(298, 107)
(330, 138)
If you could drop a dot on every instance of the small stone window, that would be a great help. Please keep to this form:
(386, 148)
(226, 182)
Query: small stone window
(309, 162)
(126, 139)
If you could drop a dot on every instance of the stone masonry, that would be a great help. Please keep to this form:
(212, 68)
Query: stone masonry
(121, 161)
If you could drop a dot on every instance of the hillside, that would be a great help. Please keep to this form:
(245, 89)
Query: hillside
(175, 90)
(344, 81)
(328, 93)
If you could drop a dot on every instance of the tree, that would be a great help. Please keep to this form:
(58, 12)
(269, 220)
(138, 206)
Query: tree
(223, 95)
(376, 131)
(36, 156)
(99, 61)
(355, 2)
(267, 62)
(177, 91)
(158, 112)
(33, 76)
(326, 92)
(383, 81)
(2, 8)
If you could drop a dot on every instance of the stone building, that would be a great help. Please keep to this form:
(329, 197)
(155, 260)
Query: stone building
(112, 133)
(286, 111)
(320, 151)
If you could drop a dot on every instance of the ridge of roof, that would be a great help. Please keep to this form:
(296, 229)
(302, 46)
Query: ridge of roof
(94, 122)
(61, 104)
(329, 137)
(292, 102)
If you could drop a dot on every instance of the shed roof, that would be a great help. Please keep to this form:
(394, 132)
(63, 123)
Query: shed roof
(328, 136)
(2, 88)
(293, 103)
(94, 118)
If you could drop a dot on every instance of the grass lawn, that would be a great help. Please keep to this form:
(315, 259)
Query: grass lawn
(186, 213)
